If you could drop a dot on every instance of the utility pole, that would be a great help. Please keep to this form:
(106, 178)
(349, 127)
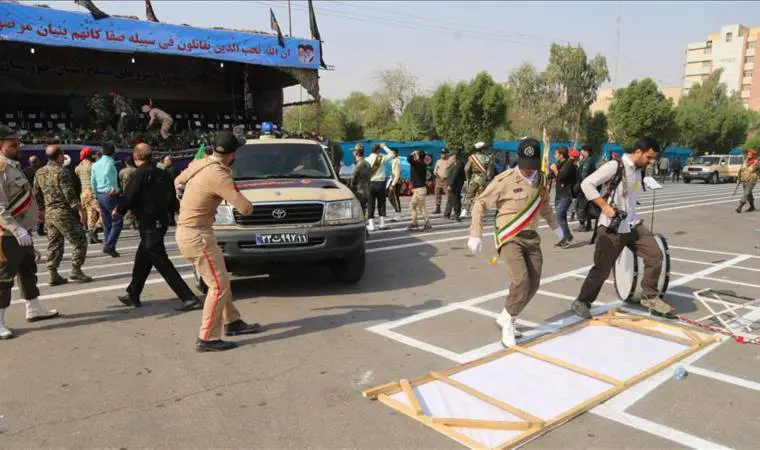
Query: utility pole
(290, 22)
(617, 49)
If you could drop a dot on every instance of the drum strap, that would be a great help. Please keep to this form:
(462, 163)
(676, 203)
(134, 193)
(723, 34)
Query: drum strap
(611, 187)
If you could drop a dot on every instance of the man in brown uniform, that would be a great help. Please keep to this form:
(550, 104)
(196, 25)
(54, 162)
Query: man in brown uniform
(158, 115)
(18, 215)
(87, 198)
(201, 187)
(440, 171)
(519, 195)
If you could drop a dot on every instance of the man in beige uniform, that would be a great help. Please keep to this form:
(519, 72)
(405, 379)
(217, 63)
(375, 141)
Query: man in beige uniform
(519, 195)
(158, 115)
(201, 187)
(440, 171)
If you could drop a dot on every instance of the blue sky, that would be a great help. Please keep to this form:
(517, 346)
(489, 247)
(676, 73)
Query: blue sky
(453, 40)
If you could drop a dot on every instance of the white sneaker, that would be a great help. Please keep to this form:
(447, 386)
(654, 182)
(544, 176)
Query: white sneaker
(464, 214)
(382, 223)
(397, 218)
(371, 225)
(4, 332)
(35, 312)
(505, 317)
(508, 334)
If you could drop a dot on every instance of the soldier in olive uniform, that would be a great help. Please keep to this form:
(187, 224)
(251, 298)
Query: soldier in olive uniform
(124, 110)
(360, 178)
(748, 176)
(479, 171)
(99, 109)
(55, 187)
(18, 215)
(125, 175)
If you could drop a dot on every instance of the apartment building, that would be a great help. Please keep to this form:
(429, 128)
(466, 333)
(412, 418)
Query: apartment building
(604, 97)
(734, 50)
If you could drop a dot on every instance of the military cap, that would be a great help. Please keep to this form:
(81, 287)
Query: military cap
(226, 142)
(529, 154)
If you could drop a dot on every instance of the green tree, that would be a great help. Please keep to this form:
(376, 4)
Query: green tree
(416, 122)
(397, 87)
(641, 110)
(752, 142)
(538, 100)
(305, 119)
(595, 131)
(446, 115)
(709, 119)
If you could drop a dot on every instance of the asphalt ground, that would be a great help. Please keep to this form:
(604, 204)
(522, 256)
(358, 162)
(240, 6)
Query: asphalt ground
(107, 376)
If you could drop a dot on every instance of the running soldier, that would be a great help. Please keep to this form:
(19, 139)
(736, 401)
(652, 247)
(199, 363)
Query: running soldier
(479, 171)
(440, 171)
(202, 187)
(87, 198)
(55, 187)
(158, 115)
(519, 196)
(748, 176)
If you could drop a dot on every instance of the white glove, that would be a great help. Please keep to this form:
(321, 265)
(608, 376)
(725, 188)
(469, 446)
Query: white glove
(558, 233)
(475, 245)
(23, 238)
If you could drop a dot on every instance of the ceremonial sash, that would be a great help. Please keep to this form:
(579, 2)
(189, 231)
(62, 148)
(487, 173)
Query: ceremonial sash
(520, 221)
(474, 159)
(18, 204)
(376, 165)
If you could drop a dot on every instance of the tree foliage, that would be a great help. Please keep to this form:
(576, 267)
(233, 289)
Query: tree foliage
(306, 118)
(469, 112)
(709, 119)
(641, 110)
(397, 87)
(595, 131)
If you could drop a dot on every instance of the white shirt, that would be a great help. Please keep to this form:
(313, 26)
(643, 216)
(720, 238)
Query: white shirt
(624, 197)
(381, 173)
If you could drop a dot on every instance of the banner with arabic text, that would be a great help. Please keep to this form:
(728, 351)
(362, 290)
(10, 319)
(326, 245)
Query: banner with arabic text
(44, 26)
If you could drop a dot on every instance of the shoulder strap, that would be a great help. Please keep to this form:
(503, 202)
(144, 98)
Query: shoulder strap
(376, 164)
(197, 171)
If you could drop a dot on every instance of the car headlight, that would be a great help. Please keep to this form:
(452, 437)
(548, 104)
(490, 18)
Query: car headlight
(224, 215)
(343, 210)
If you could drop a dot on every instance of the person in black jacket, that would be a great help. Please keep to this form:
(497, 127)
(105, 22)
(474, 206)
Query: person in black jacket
(565, 174)
(149, 195)
(455, 181)
(586, 166)
(419, 190)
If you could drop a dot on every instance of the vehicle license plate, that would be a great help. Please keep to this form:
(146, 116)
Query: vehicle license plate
(282, 239)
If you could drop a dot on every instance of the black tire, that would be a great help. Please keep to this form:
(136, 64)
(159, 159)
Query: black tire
(199, 282)
(715, 178)
(687, 180)
(350, 269)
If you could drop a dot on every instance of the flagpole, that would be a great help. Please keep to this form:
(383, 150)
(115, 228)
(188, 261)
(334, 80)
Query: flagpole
(290, 22)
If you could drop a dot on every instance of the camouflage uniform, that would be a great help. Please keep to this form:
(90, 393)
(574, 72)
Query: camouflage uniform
(124, 176)
(360, 182)
(54, 187)
(477, 179)
(99, 109)
(748, 176)
(87, 198)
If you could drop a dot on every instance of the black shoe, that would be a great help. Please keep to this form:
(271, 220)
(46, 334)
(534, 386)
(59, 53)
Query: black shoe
(751, 208)
(437, 210)
(213, 346)
(128, 300)
(427, 227)
(57, 280)
(565, 243)
(111, 253)
(239, 327)
(561, 243)
(191, 304)
(413, 227)
(581, 309)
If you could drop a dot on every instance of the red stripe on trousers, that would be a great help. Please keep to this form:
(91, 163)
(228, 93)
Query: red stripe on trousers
(218, 293)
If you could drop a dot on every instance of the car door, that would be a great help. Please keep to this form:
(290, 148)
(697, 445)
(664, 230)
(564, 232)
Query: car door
(734, 165)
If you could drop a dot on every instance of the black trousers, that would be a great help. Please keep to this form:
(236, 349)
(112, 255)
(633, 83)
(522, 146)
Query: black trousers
(20, 262)
(453, 202)
(152, 253)
(394, 195)
(377, 194)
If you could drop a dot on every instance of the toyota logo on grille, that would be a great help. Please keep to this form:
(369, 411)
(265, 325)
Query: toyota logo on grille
(279, 213)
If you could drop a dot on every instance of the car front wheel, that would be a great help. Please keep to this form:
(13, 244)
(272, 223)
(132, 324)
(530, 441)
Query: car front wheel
(350, 269)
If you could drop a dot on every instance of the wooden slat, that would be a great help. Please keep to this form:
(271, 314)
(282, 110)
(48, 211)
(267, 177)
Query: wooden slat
(486, 424)
(641, 329)
(488, 399)
(416, 407)
(568, 366)
(377, 390)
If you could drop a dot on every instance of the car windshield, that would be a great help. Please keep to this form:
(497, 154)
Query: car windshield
(280, 160)
(708, 160)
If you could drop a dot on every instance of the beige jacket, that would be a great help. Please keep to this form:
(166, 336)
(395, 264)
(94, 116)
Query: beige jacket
(18, 207)
(509, 193)
(204, 184)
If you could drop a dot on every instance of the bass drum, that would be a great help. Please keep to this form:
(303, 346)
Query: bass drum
(629, 269)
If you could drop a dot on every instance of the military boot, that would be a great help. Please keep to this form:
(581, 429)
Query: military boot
(56, 279)
(437, 209)
(77, 276)
(35, 311)
(92, 235)
(739, 209)
(751, 207)
(427, 226)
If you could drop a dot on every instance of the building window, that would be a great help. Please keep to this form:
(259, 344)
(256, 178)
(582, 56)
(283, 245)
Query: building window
(747, 73)
(749, 59)
(750, 44)
(708, 47)
(729, 37)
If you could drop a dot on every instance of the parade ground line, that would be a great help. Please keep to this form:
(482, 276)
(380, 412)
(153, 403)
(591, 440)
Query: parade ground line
(615, 408)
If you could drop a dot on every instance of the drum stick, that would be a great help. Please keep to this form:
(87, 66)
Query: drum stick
(654, 199)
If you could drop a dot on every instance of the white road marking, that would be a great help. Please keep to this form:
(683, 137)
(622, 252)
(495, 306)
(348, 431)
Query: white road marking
(736, 381)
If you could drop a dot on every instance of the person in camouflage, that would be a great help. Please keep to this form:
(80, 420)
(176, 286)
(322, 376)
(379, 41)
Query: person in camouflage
(479, 171)
(54, 187)
(87, 198)
(748, 176)
(360, 177)
(99, 109)
(124, 110)
(125, 175)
